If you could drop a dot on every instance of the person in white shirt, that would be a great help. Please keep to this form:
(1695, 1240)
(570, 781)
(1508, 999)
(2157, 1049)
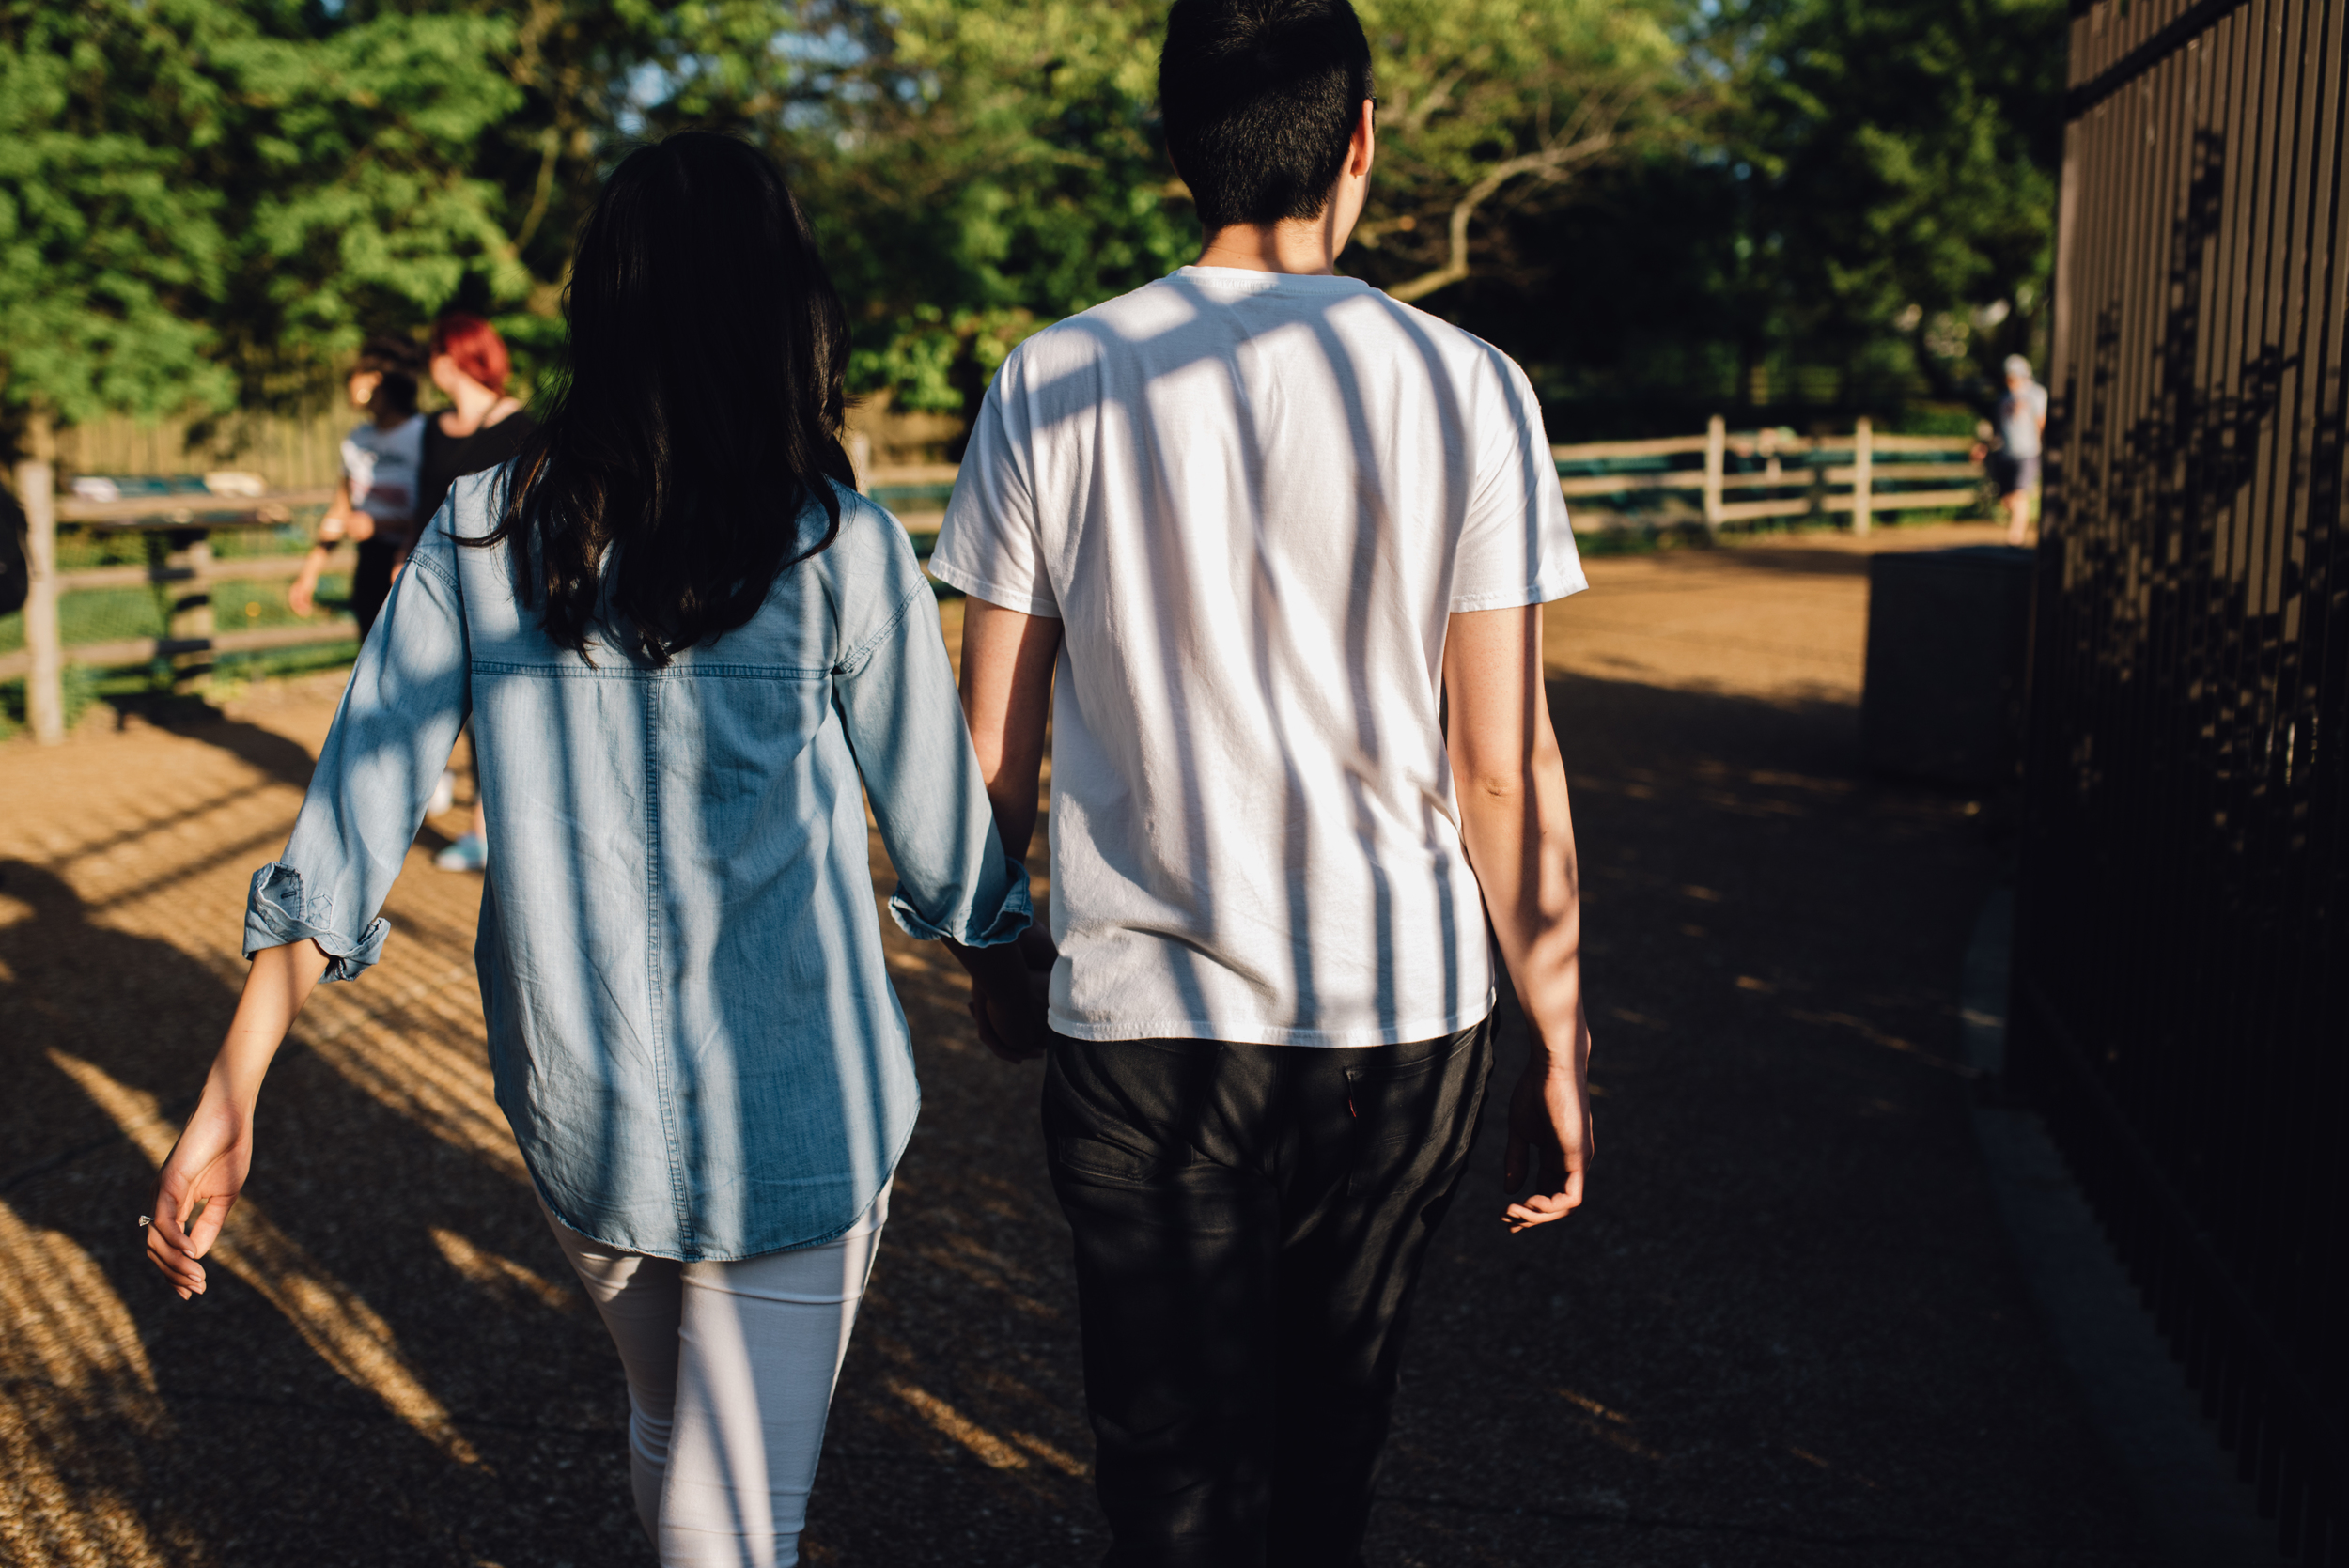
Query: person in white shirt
(2014, 465)
(375, 503)
(1269, 549)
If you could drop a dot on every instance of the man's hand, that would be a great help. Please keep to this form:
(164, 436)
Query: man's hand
(1008, 997)
(1549, 1123)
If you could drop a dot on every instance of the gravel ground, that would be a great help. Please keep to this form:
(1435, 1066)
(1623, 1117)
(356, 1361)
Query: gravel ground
(1785, 1330)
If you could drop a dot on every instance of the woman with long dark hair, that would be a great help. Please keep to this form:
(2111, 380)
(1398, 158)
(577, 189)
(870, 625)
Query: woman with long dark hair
(681, 637)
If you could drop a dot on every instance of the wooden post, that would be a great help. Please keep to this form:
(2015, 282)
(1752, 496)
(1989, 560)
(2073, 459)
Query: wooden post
(1863, 454)
(192, 611)
(1715, 455)
(37, 492)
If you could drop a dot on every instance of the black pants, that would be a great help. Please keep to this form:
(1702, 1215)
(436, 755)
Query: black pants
(1250, 1222)
(371, 580)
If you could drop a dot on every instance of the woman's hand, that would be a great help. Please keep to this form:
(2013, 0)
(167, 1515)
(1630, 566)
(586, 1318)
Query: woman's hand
(199, 1185)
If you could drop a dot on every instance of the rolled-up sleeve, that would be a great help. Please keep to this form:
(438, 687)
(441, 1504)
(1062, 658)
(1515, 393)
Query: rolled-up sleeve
(896, 695)
(409, 694)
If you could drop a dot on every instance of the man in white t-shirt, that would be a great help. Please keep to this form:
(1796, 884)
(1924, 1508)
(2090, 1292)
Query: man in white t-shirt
(1270, 547)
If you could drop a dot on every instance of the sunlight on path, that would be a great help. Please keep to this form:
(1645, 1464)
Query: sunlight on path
(1783, 619)
(329, 1316)
(71, 1347)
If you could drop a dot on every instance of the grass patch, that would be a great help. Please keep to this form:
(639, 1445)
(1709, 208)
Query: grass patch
(110, 615)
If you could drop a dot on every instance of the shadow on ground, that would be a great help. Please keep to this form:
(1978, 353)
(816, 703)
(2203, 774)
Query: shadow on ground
(237, 1429)
(1785, 1331)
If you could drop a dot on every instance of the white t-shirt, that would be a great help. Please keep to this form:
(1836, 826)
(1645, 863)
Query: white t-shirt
(1253, 500)
(384, 468)
(2020, 414)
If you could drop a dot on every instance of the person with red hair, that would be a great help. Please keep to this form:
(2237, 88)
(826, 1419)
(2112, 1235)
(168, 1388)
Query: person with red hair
(481, 428)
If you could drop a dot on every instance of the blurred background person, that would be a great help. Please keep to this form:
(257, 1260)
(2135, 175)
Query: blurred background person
(2013, 464)
(481, 428)
(375, 503)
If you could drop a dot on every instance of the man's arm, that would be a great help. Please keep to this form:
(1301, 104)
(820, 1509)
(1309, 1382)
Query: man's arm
(1007, 660)
(1519, 831)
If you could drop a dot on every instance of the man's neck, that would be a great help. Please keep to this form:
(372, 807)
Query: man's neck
(1307, 246)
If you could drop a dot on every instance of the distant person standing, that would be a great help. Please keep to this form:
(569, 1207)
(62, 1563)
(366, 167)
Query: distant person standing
(482, 428)
(375, 503)
(2015, 466)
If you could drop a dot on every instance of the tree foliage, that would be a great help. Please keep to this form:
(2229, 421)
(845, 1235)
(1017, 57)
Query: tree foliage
(1904, 156)
(1493, 101)
(196, 198)
(203, 201)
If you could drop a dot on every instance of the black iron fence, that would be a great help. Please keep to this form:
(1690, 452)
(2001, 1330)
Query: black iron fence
(2183, 956)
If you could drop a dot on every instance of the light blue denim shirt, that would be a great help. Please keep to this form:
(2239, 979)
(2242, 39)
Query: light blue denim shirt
(689, 1023)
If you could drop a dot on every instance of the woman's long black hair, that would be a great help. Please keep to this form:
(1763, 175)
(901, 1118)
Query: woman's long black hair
(701, 411)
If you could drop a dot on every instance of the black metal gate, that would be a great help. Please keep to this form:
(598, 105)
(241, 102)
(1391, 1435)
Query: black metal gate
(2183, 955)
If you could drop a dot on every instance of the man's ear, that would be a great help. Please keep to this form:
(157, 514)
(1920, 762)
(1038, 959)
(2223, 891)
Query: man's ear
(1363, 148)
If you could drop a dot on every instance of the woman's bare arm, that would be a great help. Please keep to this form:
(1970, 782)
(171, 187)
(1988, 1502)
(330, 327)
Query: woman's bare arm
(207, 1166)
(1517, 826)
(342, 522)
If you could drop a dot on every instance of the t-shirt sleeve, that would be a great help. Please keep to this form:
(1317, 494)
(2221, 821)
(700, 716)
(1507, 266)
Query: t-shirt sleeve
(1516, 547)
(988, 545)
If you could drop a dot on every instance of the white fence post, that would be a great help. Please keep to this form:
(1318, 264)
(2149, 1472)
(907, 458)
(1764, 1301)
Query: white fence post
(37, 491)
(1716, 453)
(1864, 462)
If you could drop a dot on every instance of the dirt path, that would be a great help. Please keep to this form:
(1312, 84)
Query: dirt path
(1785, 1331)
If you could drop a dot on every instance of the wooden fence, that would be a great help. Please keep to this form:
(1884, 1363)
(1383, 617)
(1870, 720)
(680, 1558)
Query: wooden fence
(1735, 478)
(1751, 476)
(297, 451)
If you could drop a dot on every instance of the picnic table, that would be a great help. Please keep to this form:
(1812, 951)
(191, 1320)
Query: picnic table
(184, 513)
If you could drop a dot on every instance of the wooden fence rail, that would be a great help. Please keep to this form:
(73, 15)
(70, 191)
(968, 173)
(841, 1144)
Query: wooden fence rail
(189, 635)
(1833, 474)
(1789, 462)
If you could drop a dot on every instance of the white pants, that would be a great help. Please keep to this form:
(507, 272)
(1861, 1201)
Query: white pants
(730, 1371)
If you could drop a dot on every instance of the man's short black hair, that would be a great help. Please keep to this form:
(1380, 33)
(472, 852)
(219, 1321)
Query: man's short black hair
(1260, 98)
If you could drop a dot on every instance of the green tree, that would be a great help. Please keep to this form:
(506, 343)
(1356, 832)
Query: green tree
(1902, 156)
(978, 170)
(198, 198)
(1497, 102)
